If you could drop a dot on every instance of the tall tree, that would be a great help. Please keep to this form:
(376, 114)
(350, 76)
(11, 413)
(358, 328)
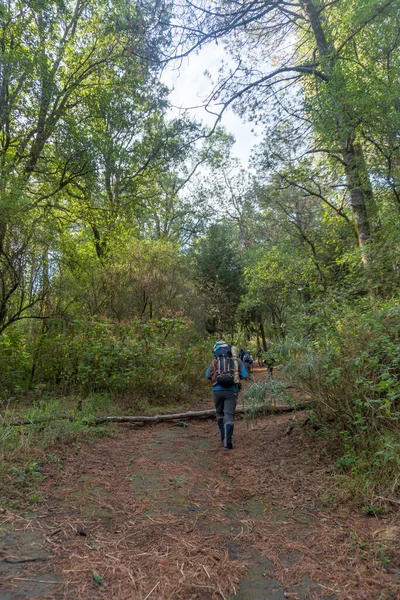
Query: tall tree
(325, 39)
(54, 56)
(219, 273)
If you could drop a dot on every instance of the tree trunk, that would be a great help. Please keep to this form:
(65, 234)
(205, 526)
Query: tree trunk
(357, 200)
(262, 331)
(44, 310)
(99, 244)
(355, 167)
(372, 208)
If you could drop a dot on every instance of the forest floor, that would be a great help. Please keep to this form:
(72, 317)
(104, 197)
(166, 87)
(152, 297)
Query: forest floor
(163, 512)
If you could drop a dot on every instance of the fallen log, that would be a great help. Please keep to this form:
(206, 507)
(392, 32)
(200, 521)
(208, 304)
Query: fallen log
(190, 414)
(198, 414)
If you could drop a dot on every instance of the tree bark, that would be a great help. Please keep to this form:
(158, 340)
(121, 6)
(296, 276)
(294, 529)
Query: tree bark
(44, 311)
(372, 208)
(262, 331)
(99, 243)
(357, 199)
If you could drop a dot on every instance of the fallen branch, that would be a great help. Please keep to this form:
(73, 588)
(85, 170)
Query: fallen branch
(197, 414)
(191, 414)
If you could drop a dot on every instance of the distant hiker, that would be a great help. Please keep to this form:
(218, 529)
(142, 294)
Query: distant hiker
(269, 360)
(259, 356)
(225, 373)
(241, 354)
(248, 360)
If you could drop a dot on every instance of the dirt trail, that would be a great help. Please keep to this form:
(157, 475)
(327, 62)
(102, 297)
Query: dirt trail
(163, 512)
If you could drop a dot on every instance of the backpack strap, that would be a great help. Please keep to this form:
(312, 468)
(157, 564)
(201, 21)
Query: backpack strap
(214, 371)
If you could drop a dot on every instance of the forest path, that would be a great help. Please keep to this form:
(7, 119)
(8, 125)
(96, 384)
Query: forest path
(163, 512)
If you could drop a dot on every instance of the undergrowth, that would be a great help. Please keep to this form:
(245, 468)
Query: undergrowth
(160, 360)
(25, 450)
(350, 367)
(262, 395)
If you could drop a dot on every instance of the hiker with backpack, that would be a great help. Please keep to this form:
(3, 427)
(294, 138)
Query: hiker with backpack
(225, 373)
(259, 356)
(269, 361)
(248, 361)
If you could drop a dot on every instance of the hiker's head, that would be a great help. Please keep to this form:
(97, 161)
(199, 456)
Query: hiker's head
(221, 347)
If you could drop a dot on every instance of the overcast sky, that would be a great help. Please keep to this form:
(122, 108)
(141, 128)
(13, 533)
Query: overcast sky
(191, 87)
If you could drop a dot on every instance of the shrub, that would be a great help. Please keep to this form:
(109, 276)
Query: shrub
(265, 394)
(157, 359)
(15, 360)
(351, 369)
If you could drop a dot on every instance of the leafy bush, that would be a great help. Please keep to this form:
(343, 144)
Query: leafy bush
(354, 375)
(15, 360)
(156, 359)
(351, 369)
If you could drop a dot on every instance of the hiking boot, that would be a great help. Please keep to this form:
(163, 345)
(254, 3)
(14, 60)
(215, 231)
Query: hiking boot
(221, 427)
(228, 445)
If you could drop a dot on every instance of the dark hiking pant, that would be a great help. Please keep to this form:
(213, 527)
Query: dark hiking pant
(248, 366)
(225, 405)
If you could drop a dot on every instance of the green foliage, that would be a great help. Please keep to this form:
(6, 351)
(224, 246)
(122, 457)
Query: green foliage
(345, 462)
(31, 471)
(14, 360)
(158, 359)
(374, 511)
(354, 369)
(264, 395)
(219, 272)
(98, 578)
(352, 373)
